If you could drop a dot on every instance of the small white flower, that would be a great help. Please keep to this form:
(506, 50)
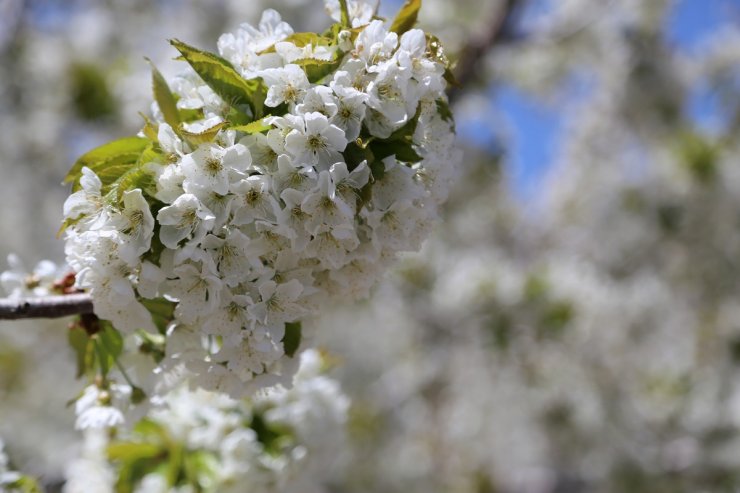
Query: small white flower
(94, 409)
(360, 11)
(136, 225)
(265, 149)
(88, 202)
(196, 290)
(18, 282)
(286, 85)
(254, 200)
(210, 167)
(324, 207)
(389, 95)
(291, 176)
(235, 257)
(186, 217)
(375, 44)
(271, 29)
(231, 317)
(318, 99)
(331, 245)
(289, 52)
(319, 143)
(292, 219)
(278, 303)
(350, 109)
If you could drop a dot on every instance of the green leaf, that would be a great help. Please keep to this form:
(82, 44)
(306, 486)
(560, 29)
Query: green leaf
(406, 17)
(344, 13)
(207, 135)
(162, 311)
(225, 81)
(136, 461)
(238, 117)
(151, 430)
(292, 338)
(150, 130)
(108, 345)
(199, 466)
(23, 484)
(138, 175)
(188, 115)
(400, 143)
(130, 451)
(443, 108)
(256, 127)
(301, 40)
(355, 153)
(103, 160)
(175, 464)
(152, 344)
(83, 347)
(317, 69)
(272, 436)
(164, 98)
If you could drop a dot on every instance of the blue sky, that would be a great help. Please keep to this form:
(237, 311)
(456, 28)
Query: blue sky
(535, 128)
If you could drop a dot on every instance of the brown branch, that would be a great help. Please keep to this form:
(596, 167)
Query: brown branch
(471, 56)
(46, 307)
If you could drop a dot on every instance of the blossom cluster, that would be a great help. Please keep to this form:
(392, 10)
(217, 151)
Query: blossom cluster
(12, 481)
(343, 152)
(279, 440)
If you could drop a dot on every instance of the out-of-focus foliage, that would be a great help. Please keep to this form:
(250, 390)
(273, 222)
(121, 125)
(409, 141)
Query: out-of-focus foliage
(587, 342)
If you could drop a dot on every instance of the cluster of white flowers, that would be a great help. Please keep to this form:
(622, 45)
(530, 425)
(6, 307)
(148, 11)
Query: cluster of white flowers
(6, 475)
(12, 481)
(277, 441)
(247, 231)
(18, 282)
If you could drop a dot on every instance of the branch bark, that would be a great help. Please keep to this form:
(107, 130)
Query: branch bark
(476, 49)
(46, 307)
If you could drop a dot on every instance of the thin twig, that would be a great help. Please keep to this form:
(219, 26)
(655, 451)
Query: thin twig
(46, 307)
(475, 50)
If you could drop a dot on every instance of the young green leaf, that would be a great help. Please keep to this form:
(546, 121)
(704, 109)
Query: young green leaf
(443, 109)
(292, 338)
(164, 98)
(138, 175)
(400, 143)
(163, 312)
(344, 13)
(255, 127)
(150, 130)
(301, 40)
(317, 69)
(188, 115)
(108, 345)
(206, 135)
(121, 153)
(225, 81)
(83, 347)
(130, 451)
(406, 17)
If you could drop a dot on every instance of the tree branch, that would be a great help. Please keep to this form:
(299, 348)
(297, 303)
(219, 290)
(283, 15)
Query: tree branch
(475, 50)
(46, 307)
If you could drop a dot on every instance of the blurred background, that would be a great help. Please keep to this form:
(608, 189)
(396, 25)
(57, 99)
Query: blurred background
(574, 323)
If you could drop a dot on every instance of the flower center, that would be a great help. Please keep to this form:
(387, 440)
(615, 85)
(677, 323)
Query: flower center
(213, 166)
(290, 93)
(316, 142)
